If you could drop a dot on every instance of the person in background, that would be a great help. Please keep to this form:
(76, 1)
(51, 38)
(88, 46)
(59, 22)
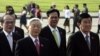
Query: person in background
(38, 12)
(98, 31)
(76, 13)
(10, 11)
(67, 14)
(85, 9)
(23, 18)
(32, 12)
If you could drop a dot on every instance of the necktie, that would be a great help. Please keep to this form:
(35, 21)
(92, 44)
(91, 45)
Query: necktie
(37, 46)
(10, 40)
(55, 37)
(87, 40)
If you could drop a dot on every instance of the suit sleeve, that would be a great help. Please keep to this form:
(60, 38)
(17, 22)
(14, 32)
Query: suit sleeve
(71, 47)
(19, 50)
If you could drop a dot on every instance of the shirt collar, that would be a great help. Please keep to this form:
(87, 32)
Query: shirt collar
(52, 29)
(85, 34)
(33, 38)
(7, 33)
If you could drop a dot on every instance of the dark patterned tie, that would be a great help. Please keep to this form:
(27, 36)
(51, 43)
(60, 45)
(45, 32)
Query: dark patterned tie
(37, 46)
(87, 40)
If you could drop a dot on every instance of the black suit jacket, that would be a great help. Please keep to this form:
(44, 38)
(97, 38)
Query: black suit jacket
(55, 50)
(19, 31)
(4, 44)
(26, 47)
(77, 45)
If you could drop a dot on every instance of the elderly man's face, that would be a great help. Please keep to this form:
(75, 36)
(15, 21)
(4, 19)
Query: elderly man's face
(9, 23)
(35, 28)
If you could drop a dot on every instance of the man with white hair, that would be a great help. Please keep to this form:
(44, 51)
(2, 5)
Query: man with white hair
(33, 45)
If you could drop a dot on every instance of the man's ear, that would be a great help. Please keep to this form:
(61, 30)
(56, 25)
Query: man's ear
(78, 24)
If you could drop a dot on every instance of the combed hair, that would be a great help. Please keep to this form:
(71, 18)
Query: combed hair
(33, 19)
(84, 16)
(53, 10)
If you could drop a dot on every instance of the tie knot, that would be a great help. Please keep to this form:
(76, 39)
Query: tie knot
(54, 30)
(36, 40)
(87, 35)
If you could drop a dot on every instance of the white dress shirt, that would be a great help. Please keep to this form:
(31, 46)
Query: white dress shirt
(9, 38)
(33, 39)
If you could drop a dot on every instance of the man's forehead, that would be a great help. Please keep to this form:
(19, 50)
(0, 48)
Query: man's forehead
(87, 19)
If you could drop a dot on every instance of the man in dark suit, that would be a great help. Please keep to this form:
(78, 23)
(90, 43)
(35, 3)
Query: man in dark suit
(83, 42)
(7, 37)
(33, 45)
(76, 13)
(55, 34)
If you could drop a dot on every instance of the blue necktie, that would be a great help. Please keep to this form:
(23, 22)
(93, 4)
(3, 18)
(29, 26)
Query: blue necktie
(87, 40)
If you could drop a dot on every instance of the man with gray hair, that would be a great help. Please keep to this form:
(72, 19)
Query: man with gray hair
(33, 45)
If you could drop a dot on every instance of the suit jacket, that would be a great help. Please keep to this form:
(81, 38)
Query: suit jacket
(77, 45)
(26, 47)
(55, 50)
(4, 44)
(19, 31)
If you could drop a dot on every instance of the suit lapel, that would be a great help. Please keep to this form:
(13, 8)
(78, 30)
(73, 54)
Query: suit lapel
(52, 37)
(92, 41)
(61, 34)
(83, 41)
(32, 46)
(5, 41)
(41, 45)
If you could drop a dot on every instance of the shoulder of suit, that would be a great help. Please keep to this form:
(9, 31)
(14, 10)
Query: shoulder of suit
(23, 40)
(45, 27)
(18, 28)
(60, 28)
(92, 33)
(43, 38)
(74, 35)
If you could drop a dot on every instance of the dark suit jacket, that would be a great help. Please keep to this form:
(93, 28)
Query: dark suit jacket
(26, 47)
(56, 51)
(4, 44)
(19, 31)
(77, 45)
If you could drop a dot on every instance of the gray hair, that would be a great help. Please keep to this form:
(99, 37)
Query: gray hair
(33, 19)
